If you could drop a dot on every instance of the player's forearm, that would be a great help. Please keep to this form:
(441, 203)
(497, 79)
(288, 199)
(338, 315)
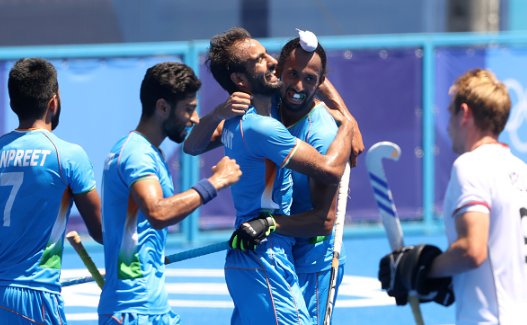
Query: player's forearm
(339, 151)
(201, 138)
(455, 260)
(317, 222)
(172, 210)
(330, 96)
(306, 225)
(89, 206)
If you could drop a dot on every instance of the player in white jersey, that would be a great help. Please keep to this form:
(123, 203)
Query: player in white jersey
(484, 208)
(488, 191)
(40, 178)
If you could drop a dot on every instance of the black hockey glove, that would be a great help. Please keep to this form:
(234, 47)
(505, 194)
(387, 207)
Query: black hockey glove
(249, 234)
(406, 270)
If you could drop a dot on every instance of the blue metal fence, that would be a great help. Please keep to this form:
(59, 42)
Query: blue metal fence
(191, 52)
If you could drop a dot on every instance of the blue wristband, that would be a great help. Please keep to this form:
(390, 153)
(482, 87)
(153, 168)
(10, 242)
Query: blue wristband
(206, 190)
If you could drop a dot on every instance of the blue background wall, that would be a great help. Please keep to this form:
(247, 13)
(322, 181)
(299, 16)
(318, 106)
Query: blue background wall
(385, 81)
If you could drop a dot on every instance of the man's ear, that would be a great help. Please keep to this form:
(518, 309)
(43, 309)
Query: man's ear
(53, 103)
(162, 107)
(466, 112)
(239, 80)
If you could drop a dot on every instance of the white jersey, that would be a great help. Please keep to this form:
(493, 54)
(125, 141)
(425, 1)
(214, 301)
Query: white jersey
(491, 180)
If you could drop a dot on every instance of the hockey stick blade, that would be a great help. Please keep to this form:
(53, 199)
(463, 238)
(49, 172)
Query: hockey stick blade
(384, 199)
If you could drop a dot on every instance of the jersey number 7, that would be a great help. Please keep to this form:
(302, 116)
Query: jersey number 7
(14, 180)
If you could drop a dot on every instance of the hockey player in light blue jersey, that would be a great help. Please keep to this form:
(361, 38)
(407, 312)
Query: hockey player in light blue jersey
(139, 200)
(302, 71)
(40, 178)
(261, 278)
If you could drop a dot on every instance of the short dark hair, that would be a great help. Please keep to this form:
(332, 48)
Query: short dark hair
(32, 83)
(171, 81)
(221, 59)
(295, 44)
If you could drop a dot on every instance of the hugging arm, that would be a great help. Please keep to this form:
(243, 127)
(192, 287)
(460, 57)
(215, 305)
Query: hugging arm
(317, 222)
(331, 97)
(206, 135)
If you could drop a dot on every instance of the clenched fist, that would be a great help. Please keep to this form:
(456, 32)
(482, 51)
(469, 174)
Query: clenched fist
(237, 104)
(225, 173)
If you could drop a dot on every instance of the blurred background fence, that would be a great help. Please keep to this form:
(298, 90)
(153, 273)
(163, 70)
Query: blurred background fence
(392, 61)
(395, 85)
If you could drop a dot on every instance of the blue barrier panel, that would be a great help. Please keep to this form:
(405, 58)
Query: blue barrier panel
(396, 85)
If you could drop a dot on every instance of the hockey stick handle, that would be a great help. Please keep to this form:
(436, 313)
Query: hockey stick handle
(177, 257)
(342, 202)
(196, 252)
(75, 241)
(80, 280)
(383, 197)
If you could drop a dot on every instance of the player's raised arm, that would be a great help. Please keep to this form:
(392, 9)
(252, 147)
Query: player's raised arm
(326, 168)
(206, 135)
(331, 97)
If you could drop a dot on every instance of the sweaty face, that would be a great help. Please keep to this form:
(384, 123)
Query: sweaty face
(301, 76)
(260, 68)
(182, 116)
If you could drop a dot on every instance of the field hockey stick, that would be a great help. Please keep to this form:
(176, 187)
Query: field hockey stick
(384, 199)
(196, 252)
(181, 256)
(342, 201)
(75, 241)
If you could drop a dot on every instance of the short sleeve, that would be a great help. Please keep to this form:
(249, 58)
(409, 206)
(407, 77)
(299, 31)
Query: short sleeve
(322, 131)
(321, 141)
(79, 170)
(270, 139)
(474, 192)
(138, 165)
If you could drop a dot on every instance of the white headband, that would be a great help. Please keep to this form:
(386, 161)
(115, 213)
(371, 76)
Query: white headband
(308, 40)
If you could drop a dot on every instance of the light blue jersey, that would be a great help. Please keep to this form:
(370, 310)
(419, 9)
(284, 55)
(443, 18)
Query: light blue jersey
(262, 284)
(39, 173)
(313, 261)
(318, 128)
(133, 249)
(261, 146)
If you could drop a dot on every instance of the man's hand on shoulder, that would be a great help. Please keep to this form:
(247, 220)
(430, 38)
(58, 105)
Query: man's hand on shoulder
(237, 104)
